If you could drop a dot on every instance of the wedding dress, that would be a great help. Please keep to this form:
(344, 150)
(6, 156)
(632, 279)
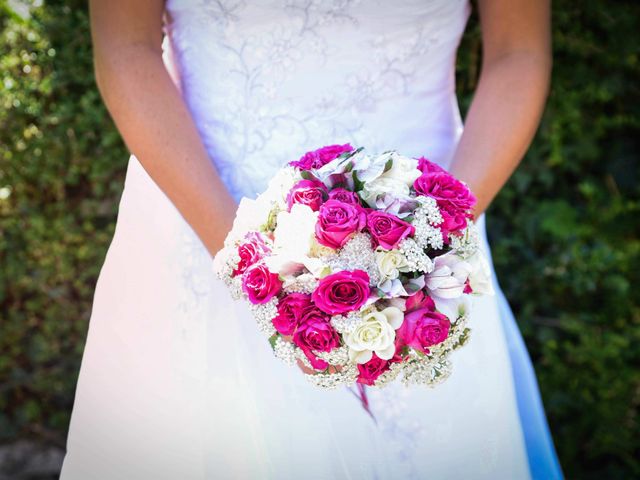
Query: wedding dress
(176, 382)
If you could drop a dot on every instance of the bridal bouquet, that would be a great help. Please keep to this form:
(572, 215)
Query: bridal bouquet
(360, 266)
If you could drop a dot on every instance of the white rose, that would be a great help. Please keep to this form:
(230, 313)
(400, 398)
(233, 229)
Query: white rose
(293, 239)
(403, 169)
(450, 273)
(390, 264)
(383, 185)
(480, 278)
(375, 333)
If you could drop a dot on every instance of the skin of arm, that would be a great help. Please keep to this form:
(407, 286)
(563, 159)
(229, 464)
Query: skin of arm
(152, 117)
(510, 97)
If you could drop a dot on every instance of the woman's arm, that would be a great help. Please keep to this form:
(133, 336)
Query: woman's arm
(152, 117)
(510, 97)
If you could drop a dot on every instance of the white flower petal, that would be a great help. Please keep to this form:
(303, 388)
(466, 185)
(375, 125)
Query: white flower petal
(448, 278)
(293, 239)
(400, 303)
(221, 257)
(250, 214)
(386, 353)
(453, 307)
(360, 356)
(480, 278)
(394, 316)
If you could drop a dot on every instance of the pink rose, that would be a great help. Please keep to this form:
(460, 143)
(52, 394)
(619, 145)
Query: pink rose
(338, 221)
(307, 192)
(423, 328)
(427, 166)
(452, 223)
(342, 292)
(315, 332)
(345, 196)
(388, 230)
(290, 311)
(260, 284)
(419, 300)
(250, 252)
(320, 157)
(371, 370)
(452, 195)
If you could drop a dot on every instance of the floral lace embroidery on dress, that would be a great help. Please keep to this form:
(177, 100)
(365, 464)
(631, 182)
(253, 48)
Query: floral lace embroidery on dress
(258, 114)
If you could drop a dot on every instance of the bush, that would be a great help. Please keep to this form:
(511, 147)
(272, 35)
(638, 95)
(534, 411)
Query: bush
(564, 235)
(61, 174)
(564, 231)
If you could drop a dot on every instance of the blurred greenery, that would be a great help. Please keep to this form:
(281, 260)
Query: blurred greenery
(564, 231)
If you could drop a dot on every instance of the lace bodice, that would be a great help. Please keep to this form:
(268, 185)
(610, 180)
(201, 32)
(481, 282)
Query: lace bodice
(267, 80)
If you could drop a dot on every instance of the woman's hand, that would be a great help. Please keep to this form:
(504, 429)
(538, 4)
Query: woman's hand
(305, 369)
(510, 97)
(152, 117)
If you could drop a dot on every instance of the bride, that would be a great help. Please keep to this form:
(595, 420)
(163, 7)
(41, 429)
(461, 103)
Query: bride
(212, 97)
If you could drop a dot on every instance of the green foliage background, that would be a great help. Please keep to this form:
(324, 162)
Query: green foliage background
(564, 231)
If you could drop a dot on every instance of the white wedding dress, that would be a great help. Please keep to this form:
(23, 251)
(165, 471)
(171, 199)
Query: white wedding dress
(176, 381)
